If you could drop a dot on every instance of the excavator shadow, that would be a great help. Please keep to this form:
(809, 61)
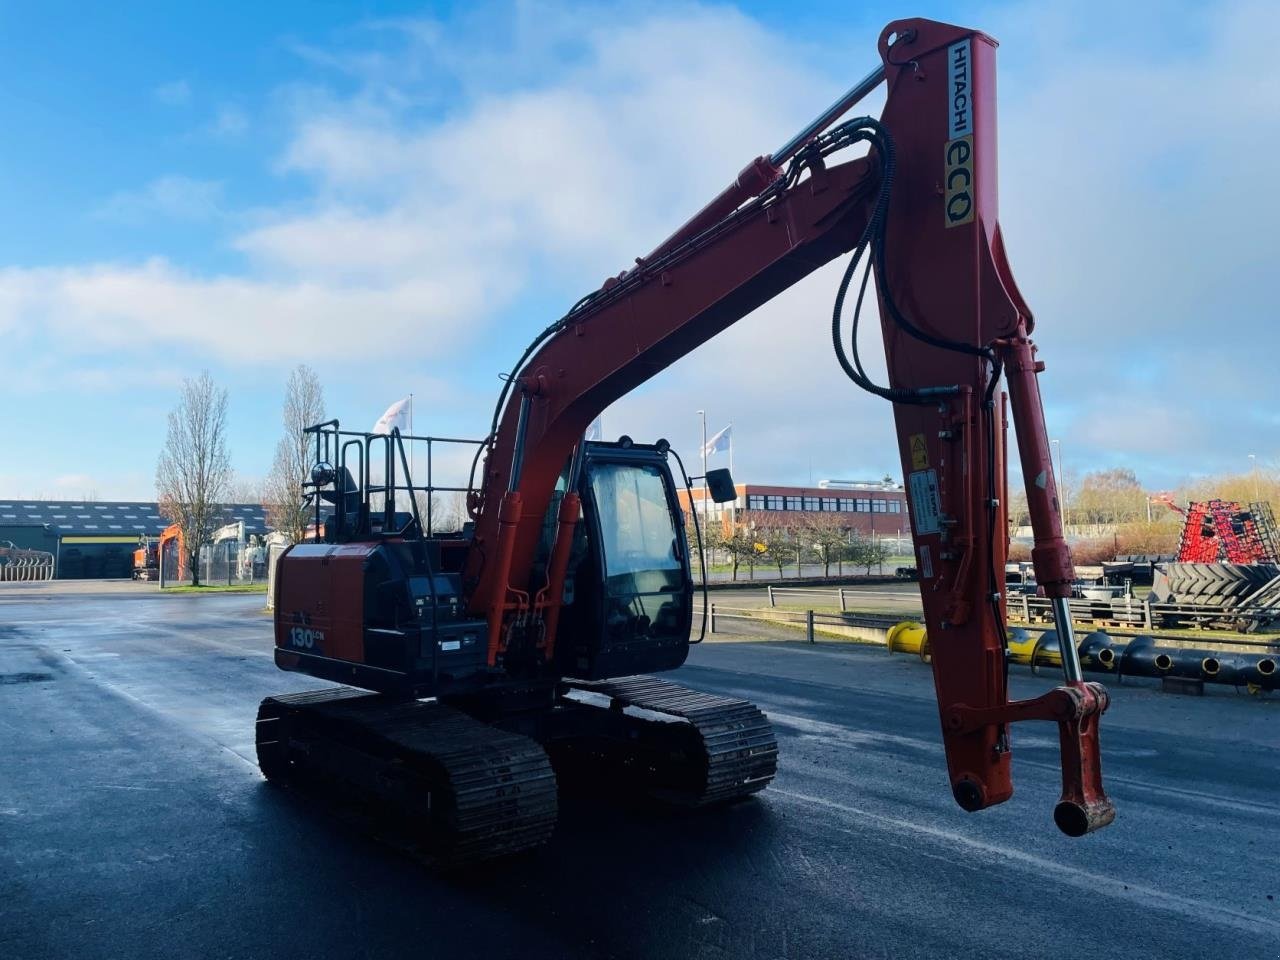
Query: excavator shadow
(608, 844)
(601, 823)
(619, 877)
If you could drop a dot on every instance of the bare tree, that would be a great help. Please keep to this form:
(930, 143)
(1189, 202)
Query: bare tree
(245, 490)
(448, 510)
(1108, 497)
(194, 473)
(779, 546)
(1019, 514)
(736, 541)
(828, 535)
(282, 491)
(864, 551)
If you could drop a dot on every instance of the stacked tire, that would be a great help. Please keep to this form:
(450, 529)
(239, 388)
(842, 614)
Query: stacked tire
(1215, 584)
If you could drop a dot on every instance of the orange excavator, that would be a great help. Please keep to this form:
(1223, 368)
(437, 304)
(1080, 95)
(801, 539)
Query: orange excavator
(170, 546)
(481, 666)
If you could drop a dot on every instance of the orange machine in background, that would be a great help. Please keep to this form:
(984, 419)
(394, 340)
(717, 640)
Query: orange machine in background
(170, 546)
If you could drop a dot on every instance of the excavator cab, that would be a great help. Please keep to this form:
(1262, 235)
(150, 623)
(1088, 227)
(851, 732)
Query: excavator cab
(630, 580)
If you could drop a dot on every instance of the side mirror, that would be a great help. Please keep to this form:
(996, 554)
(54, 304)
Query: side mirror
(720, 485)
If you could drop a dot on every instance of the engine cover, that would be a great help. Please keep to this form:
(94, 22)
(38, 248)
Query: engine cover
(376, 615)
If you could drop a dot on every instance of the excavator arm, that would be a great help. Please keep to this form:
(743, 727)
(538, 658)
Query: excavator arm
(920, 212)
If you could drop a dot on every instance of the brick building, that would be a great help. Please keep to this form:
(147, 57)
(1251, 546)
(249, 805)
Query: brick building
(868, 506)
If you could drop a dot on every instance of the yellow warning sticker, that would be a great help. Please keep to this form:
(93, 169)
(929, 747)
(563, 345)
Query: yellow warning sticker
(919, 452)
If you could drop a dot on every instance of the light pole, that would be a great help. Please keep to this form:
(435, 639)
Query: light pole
(1253, 468)
(703, 415)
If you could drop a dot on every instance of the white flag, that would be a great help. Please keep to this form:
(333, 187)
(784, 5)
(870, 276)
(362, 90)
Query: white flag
(720, 442)
(595, 430)
(397, 415)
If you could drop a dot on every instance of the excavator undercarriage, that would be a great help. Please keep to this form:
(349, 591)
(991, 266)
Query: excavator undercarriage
(452, 789)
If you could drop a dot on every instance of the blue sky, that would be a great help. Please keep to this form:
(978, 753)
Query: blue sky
(401, 195)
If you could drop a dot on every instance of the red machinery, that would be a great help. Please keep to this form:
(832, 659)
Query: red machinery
(577, 572)
(1225, 531)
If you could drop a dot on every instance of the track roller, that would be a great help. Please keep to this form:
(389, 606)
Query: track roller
(422, 775)
(683, 747)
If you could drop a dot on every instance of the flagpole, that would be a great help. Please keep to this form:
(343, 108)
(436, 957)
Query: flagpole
(704, 466)
(733, 515)
(703, 415)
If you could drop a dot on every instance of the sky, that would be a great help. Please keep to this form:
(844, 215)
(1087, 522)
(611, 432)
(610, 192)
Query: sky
(402, 195)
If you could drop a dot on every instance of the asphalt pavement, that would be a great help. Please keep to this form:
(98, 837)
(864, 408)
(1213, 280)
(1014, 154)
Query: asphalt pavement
(134, 823)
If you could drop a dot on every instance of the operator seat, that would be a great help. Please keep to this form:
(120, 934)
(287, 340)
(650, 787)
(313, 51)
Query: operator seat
(346, 492)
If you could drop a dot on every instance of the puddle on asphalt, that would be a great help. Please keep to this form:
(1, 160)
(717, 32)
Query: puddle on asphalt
(6, 678)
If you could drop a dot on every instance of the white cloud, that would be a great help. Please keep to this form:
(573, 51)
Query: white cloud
(423, 231)
(229, 121)
(248, 321)
(472, 167)
(174, 197)
(175, 93)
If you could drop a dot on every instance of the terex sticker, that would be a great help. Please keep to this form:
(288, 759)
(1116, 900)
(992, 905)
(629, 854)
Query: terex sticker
(926, 501)
(926, 563)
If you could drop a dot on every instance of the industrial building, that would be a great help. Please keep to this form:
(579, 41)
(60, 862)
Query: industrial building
(867, 506)
(95, 539)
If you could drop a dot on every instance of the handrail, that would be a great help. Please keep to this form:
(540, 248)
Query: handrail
(332, 444)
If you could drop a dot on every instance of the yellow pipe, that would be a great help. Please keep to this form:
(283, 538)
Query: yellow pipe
(1022, 648)
(908, 637)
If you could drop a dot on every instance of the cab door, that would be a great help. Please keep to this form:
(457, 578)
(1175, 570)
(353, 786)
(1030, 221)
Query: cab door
(633, 603)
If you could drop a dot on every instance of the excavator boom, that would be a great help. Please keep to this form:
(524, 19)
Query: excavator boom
(920, 212)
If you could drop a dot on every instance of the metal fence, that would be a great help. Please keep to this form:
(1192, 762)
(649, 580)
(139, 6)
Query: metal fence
(232, 562)
(1261, 612)
(868, 626)
(274, 552)
(875, 628)
(840, 596)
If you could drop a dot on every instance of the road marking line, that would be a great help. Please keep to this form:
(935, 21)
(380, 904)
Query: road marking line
(1093, 883)
(856, 737)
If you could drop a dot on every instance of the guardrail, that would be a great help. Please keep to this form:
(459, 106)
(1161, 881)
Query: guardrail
(842, 595)
(1232, 661)
(1122, 611)
(809, 619)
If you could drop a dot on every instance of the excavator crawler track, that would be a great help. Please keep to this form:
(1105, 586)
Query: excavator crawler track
(688, 748)
(423, 776)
